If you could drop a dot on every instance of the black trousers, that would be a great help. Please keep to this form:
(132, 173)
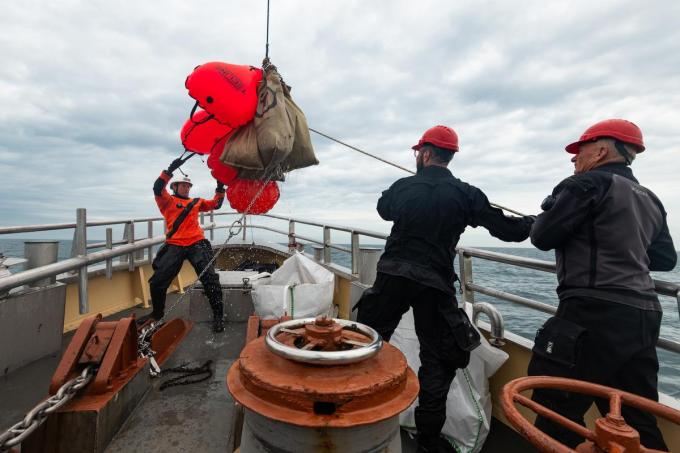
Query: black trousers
(442, 330)
(168, 263)
(602, 342)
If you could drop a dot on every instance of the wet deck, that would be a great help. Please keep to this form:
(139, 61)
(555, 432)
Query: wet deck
(196, 417)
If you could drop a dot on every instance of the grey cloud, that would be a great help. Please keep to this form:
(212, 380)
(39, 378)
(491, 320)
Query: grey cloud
(92, 95)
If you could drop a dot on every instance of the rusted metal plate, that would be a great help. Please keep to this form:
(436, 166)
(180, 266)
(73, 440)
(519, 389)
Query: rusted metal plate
(87, 424)
(166, 339)
(331, 396)
(69, 360)
(97, 344)
(253, 330)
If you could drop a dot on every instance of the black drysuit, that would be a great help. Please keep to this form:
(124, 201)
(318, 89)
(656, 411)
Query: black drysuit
(608, 232)
(186, 242)
(430, 211)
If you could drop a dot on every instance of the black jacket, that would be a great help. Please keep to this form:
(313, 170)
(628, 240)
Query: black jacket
(430, 211)
(608, 232)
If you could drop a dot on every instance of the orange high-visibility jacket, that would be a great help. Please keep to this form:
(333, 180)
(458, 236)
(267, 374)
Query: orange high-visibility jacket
(171, 206)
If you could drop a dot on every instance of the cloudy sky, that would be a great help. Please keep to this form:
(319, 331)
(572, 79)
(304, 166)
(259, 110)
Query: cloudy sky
(92, 96)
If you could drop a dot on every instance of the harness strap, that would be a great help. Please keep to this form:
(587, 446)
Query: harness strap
(180, 218)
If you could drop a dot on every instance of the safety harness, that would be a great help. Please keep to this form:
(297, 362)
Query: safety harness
(180, 218)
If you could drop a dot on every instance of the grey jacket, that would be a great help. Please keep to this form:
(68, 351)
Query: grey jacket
(608, 232)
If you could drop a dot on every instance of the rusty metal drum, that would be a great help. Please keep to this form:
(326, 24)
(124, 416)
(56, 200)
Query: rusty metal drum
(293, 406)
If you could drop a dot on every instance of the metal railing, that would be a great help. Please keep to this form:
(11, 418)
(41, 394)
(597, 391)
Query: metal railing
(130, 244)
(469, 288)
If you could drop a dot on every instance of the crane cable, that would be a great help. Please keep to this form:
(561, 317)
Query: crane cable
(266, 53)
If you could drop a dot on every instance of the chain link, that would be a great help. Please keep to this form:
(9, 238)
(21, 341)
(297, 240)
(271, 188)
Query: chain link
(36, 416)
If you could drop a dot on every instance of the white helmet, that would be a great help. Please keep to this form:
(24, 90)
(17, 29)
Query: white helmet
(173, 185)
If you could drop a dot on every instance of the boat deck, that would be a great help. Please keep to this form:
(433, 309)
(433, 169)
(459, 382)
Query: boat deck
(196, 417)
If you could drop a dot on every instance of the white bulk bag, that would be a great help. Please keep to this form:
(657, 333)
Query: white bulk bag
(300, 288)
(468, 404)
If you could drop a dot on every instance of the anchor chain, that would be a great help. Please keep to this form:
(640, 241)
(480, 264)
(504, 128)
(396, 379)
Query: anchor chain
(36, 416)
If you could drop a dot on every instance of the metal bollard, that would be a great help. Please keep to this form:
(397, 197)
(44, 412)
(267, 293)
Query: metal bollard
(496, 319)
(41, 253)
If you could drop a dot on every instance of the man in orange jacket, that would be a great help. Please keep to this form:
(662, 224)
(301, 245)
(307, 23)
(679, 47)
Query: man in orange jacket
(184, 240)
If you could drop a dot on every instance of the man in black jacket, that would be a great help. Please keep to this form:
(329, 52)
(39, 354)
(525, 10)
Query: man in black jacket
(430, 211)
(608, 232)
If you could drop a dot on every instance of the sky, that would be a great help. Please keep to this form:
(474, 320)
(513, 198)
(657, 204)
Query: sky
(92, 96)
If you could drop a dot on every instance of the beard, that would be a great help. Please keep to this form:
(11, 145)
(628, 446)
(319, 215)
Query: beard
(419, 163)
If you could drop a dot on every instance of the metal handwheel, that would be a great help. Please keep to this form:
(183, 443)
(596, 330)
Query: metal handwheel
(611, 433)
(323, 341)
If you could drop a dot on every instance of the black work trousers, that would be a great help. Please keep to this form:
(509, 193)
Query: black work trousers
(168, 263)
(602, 342)
(441, 327)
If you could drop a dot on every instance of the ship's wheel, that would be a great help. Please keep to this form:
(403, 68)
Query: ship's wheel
(323, 341)
(611, 433)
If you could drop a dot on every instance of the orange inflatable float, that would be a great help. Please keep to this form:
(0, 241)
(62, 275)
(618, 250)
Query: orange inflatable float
(241, 193)
(226, 91)
(201, 133)
(224, 173)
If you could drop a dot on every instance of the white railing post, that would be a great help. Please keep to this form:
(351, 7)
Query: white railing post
(326, 245)
(131, 240)
(212, 223)
(109, 245)
(80, 247)
(355, 253)
(292, 243)
(149, 250)
(465, 269)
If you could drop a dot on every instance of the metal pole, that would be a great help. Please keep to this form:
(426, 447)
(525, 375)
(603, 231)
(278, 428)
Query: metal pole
(212, 222)
(355, 253)
(73, 264)
(292, 246)
(131, 240)
(149, 228)
(109, 245)
(326, 243)
(245, 218)
(318, 253)
(465, 264)
(81, 251)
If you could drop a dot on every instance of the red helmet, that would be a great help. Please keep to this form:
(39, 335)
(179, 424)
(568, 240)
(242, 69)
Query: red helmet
(441, 137)
(622, 130)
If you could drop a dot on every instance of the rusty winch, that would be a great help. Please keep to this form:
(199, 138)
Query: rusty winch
(321, 384)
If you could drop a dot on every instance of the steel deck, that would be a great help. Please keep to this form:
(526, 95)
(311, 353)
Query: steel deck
(196, 417)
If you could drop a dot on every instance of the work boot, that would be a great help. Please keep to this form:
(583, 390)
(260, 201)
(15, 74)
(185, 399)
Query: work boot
(218, 317)
(434, 445)
(147, 319)
(218, 325)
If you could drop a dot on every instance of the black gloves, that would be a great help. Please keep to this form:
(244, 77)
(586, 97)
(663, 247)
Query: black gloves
(220, 187)
(175, 165)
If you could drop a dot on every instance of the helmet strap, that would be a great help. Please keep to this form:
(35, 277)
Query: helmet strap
(624, 152)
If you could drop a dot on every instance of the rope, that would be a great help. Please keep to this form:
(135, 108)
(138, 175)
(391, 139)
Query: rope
(187, 372)
(398, 166)
(363, 152)
(266, 49)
